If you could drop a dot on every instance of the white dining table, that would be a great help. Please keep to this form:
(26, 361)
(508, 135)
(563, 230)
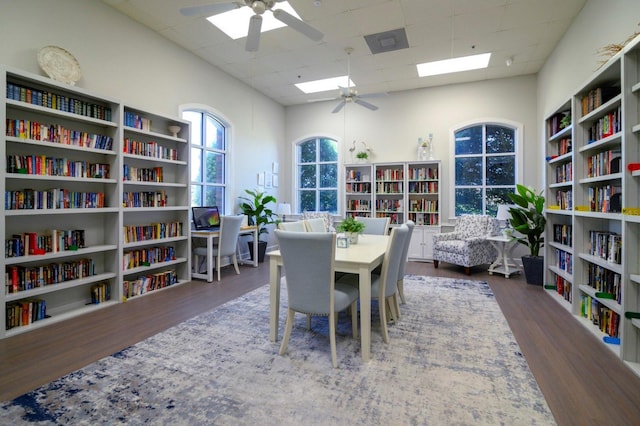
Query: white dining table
(361, 258)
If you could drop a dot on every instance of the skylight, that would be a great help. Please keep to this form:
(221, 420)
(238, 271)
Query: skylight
(235, 23)
(447, 66)
(325, 84)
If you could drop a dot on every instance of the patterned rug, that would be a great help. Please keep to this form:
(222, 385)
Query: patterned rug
(451, 360)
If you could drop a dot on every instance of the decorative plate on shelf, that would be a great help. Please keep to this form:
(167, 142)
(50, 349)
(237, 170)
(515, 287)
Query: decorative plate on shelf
(59, 64)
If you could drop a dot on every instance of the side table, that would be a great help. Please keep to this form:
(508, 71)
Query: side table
(504, 263)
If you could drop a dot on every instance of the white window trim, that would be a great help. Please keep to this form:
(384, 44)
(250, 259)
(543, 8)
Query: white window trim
(519, 133)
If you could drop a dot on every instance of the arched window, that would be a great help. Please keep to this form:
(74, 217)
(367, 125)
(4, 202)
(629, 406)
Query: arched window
(317, 175)
(209, 153)
(486, 166)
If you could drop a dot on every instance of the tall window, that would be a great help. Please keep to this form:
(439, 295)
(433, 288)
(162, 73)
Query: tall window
(317, 173)
(485, 167)
(208, 159)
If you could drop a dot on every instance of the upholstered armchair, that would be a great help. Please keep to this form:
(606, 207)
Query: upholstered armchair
(467, 245)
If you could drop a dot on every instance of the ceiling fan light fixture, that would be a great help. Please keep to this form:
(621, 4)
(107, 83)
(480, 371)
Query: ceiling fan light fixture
(447, 66)
(235, 23)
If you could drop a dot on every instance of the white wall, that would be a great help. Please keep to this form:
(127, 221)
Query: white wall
(124, 60)
(393, 130)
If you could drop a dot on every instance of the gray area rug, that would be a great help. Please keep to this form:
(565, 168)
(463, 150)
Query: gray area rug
(452, 359)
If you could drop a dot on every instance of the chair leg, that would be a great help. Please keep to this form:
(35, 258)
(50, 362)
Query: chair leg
(332, 338)
(401, 290)
(396, 305)
(382, 308)
(235, 263)
(308, 321)
(287, 331)
(435, 264)
(467, 270)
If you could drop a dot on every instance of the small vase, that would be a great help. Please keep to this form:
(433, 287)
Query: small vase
(353, 237)
(422, 153)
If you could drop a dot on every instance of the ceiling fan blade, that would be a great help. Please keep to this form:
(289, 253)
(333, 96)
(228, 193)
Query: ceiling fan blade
(210, 9)
(339, 107)
(253, 38)
(298, 25)
(374, 95)
(365, 104)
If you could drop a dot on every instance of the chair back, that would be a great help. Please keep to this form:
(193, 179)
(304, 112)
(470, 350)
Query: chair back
(308, 260)
(405, 250)
(328, 218)
(375, 225)
(229, 232)
(292, 226)
(391, 262)
(471, 226)
(315, 225)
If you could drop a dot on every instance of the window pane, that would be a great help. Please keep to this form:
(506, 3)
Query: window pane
(307, 201)
(307, 176)
(328, 150)
(196, 165)
(328, 175)
(469, 141)
(196, 195)
(468, 171)
(329, 201)
(468, 201)
(307, 152)
(501, 170)
(214, 167)
(500, 139)
(213, 196)
(497, 196)
(215, 134)
(196, 126)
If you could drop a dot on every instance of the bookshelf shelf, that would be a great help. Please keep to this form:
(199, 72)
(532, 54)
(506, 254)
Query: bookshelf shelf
(59, 286)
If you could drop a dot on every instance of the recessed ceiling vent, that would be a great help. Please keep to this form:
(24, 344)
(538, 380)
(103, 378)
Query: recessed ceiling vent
(387, 41)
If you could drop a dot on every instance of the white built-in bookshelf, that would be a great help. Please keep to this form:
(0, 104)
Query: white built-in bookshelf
(67, 230)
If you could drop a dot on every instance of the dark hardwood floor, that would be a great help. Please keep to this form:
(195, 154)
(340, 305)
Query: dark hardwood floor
(584, 382)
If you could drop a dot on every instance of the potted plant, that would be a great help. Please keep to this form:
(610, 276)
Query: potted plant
(362, 156)
(352, 228)
(528, 220)
(256, 206)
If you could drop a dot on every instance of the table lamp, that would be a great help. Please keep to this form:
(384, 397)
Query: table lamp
(503, 216)
(283, 210)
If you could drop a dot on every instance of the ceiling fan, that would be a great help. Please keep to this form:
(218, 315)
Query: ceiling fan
(350, 94)
(259, 7)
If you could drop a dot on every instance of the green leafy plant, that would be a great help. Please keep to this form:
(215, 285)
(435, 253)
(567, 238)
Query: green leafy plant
(566, 120)
(363, 155)
(527, 218)
(257, 210)
(350, 224)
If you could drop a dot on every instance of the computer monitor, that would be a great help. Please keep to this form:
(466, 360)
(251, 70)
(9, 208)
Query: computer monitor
(205, 217)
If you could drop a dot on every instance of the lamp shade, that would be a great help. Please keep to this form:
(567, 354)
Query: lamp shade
(283, 208)
(503, 212)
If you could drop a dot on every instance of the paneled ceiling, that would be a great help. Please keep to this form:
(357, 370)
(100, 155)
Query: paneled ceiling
(524, 31)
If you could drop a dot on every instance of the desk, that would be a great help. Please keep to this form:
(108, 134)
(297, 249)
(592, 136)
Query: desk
(212, 235)
(361, 259)
(504, 263)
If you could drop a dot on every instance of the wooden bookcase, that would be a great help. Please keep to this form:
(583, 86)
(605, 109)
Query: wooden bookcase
(63, 218)
(601, 288)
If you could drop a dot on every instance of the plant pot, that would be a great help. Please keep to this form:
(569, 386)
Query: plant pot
(353, 237)
(533, 269)
(262, 249)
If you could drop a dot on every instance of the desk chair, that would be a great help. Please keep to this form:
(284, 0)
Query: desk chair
(375, 225)
(227, 244)
(308, 259)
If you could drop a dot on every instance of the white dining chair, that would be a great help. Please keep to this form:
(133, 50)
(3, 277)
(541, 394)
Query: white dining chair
(226, 246)
(297, 226)
(375, 225)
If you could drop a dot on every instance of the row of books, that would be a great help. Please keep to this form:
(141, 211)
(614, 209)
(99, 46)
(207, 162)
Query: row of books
(419, 218)
(42, 165)
(154, 231)
(604, 318)
(422, 205)
(389, 187)
(597, 97)
(25, 312)
(422, 173)
(149, 149)
(389, 205)
(555, 122)
(358, 188)
(394, 218)
(147, 283)
(21, 278)
(606, 281)
(389, 174)
(605, 199)
(564, 199)
(564, 287)
(33, 243)
(57, 101)
(57, 198)
(100, 293)
(604, 163)
(145, 199)
(423, 187)
(606, 245)
(56, 133)
(564, 172)
(359, 205)
(564, 261)
(147, 256)
(562, 233)
(564, 146)
(138, 174)
(137, 121)
(606, 126)
(357, 176)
